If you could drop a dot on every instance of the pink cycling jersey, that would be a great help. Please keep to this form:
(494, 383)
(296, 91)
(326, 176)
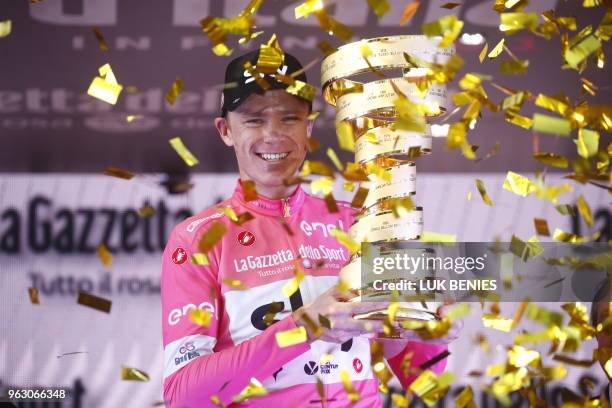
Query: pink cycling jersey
(242, 287)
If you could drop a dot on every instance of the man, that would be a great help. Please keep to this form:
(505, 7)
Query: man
(600, 312)
(243, 285)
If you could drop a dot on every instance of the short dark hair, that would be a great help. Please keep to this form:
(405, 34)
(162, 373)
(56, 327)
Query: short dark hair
(602, 292)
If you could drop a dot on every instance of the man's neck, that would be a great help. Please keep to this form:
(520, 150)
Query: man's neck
(275, 192)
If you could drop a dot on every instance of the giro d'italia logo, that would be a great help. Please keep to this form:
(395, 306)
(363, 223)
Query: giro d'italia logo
(246, 238)
(311, 368)
(179, 256)
(357, 365)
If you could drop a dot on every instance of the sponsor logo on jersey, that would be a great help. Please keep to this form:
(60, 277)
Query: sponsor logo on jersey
(310, 228)
(192, 226)
(357, 365)
(264, 261)
(311, 368)
(186, 352)
(175, 315)
(246, 238)
(179, 256)
(328, 367)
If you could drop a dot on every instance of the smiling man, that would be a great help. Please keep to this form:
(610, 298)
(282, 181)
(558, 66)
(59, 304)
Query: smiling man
(245, 287)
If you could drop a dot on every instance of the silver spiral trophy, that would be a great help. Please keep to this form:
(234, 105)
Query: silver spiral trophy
(357, 80)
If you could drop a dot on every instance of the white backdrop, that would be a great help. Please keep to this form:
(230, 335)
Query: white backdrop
(33, 336)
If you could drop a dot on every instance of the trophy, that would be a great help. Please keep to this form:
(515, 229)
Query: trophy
(371, 111)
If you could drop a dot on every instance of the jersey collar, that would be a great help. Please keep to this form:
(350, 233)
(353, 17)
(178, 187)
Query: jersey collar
(281, 207)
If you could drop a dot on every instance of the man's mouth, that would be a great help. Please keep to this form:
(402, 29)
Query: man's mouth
(273, 156)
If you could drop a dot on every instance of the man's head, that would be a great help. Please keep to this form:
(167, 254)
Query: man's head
(269, 130)
(600, 311)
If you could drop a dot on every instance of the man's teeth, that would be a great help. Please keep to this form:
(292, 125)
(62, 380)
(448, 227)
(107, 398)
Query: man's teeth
(273, 156)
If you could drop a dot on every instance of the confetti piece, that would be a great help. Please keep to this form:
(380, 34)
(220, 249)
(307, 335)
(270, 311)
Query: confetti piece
(513, 22)
(345, 136)
(544, 316)
(380, 7)
(146, 211)
(552, 104)
(575, 55)
(250, 193)
(587, 143)
(324, 185)
(5, 28)
(33, 293)
(332, 26)
(437, 237)
(450, 6)
(346, 240)
(316, 167)
(465, 399)
(133, 374)
(584, 210)
(95, 302)
(519, 356)
(334, 158)
(497, 322)
(483, 192)
(326, 48)
(72, 353)
(104, 255)
(550, 124)
(253, 390)
(352, 393)
(200, 259)
(213, 235)
(434, 360)
(330, 203)
(448, 27)
(565, 209)
(291, 337)
(308, 7)
(119, 173)
(518, 184)
(293, 285)
(551, 159)
(359, 197)
(101, 41)
(235, 283)
(105, 87)
(430, 387)
(409, 11)
(525, 250)
(483, 52)
(497, 49)
(302, 90)
(512, 67)
(200, 317)
(174, 91)
(181, 149)
(541, 226)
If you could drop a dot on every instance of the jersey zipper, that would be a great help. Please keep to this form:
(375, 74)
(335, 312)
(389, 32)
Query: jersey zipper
(286, 208)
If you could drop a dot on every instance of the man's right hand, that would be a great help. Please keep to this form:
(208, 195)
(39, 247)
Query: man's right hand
(334, 307)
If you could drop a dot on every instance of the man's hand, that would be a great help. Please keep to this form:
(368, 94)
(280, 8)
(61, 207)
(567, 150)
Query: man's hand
(335, 309)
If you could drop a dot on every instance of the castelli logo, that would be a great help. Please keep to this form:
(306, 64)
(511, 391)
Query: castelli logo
(246, 238)
(357, 365)
(179, 256)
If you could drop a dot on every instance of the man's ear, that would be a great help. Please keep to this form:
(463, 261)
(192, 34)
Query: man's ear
(222, 126)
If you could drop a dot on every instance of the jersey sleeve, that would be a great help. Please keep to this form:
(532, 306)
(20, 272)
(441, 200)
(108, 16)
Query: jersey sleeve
(193, 370)
(422, 353)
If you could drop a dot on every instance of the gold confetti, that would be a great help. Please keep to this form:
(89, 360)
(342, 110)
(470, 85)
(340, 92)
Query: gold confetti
(332, 26)
(584, 210)
(380, 7)
(235, 283)
(409, 11)
(105, 87)
(497, 322)
(483, 52)
(541, 226)
(551, 159)
(250, 193)
(119, 173)
(330, 203)
(324, 185)
(255, 74)
(146, 211)
(587, 143)
(525, 250)
(308, 7)
(552, 104)
(95, 302)
(291, 337)
(430, 387)
(410, 116)
(213, 235)
(518, 184)
(200, 259)
(352, 393)
(483, 192)
(465, 399)
(200, 317)
(33, 293)
(544, 316)
(450, 6)
(253, 390)
(428, 236)
(448, 27)
(104, 255)
(518, 120)
(565, 209)
(101, 41)
(345, 136)
(316, 167)
(174, 91)
(270, 57)
(302, 90)
(575, 55)
(181, 149)
(5, 28)
(518, 356)
(293, 285)
(326, 48)
(133, 374)
(513, 22)
(334, 158)
(512, 67)
(346, 240)
(497, 49)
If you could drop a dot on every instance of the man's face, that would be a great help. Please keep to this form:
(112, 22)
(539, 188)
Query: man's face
(269, 133)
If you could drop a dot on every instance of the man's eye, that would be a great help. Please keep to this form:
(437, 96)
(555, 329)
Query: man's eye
(254, 121)
(291, 118)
